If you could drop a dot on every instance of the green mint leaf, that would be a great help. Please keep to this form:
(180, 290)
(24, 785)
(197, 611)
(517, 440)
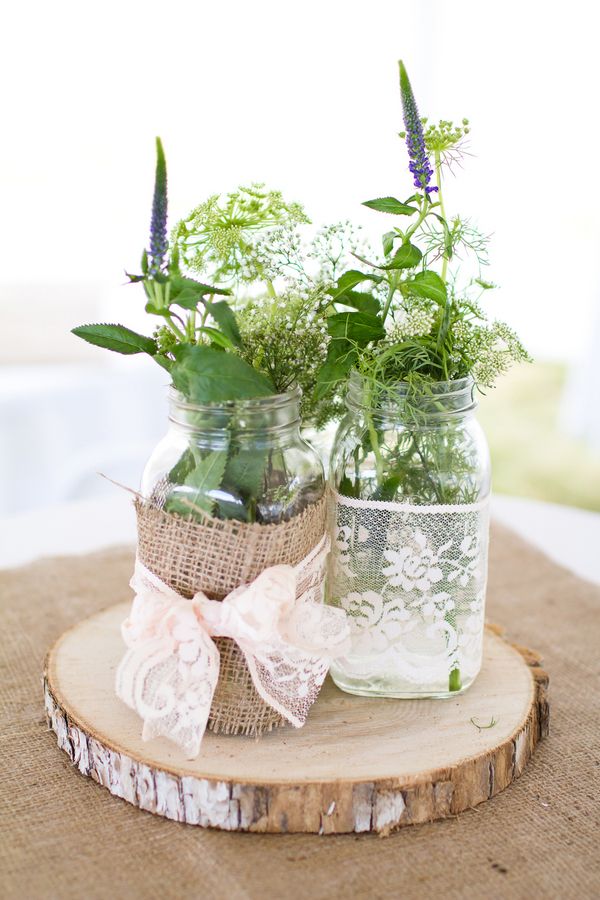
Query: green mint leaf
(406, 257)
(117, 338)
(187, 293)
(357, 327)
(245, 471)
(426, 284)
(350, 279)
(341, 357)
(363, 302)
(217, 337)
(388, 242)
(390, 205)
(163, 361)
(207, 375)
(225, 318)
(203, 479)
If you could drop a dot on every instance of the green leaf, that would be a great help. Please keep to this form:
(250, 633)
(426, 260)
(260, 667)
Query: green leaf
(225, 318)
(390, 205)
(362, 301)
(163, 361)
(388, 241)
(406, 257)
(117, 338)
(341, 357)
(187, 293)
(182, 468)
(357, 327)
(426, 284)
(448, 245)
(133, 279)
(350, 279)
(206, 375)
(486, 285)
(204, 478)
(217, 337)
(245, 471)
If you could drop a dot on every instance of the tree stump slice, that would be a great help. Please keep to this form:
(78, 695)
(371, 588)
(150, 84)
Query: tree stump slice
(358, 765)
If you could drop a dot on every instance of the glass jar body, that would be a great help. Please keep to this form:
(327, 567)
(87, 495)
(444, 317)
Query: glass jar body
(411, 482)
(242, 460)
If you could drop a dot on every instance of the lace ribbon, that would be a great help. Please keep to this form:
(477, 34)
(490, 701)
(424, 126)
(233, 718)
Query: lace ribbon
(412, 580)
(288, 637)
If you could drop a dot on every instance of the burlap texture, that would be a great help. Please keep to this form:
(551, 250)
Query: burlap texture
(215, 556)
(65, 837)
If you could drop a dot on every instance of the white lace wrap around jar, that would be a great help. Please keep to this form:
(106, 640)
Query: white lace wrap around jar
(410, 479)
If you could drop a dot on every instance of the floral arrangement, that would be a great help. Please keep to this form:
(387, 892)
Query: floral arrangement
(410, 466)
(228, 630)
(253, 313)
(418, 319)
(410, 317)
(254, 327)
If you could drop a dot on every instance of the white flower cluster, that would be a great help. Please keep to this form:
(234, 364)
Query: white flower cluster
(287, 338)
(495, 349)
(331, 248)
(415, 320)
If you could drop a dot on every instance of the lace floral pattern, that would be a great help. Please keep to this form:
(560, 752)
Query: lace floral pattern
(287, 635)
(412, 581)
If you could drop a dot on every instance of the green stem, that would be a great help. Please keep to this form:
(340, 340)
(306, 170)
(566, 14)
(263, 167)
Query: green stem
(174, 328)
(436, 490)
(438, 178)
(424, 212)
(454, 681)
(375, 447)
(391, 292)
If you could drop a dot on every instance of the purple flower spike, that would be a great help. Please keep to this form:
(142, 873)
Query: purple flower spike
(419, 161)
(158, 225)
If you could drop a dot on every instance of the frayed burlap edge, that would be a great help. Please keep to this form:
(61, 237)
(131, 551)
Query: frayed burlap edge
(215, 556)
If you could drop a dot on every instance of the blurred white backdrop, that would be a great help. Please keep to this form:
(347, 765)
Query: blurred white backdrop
(304, 97)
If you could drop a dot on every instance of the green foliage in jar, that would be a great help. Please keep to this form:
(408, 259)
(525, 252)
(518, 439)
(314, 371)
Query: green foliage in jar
(216, 354)
(407, 313)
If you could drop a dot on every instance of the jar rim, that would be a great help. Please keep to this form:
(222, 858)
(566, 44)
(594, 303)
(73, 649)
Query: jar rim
(435, 400)
(452, 386)
(270, 402)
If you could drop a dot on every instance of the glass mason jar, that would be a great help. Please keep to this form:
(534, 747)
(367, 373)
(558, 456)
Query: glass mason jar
(410, 473)
(243, 459)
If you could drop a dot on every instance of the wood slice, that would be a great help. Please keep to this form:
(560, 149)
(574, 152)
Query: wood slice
(358, 764)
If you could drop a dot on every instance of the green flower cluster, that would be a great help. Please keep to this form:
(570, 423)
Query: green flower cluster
(217, 239)
(441, 137)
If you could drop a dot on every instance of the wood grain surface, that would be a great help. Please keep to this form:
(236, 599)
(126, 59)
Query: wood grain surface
(359, 764)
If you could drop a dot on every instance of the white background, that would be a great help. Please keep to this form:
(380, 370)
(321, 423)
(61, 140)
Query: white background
(303, 96)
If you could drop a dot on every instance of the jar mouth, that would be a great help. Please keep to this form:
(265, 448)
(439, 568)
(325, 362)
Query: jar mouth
(270, 402)
(430, 400)
(270, 415)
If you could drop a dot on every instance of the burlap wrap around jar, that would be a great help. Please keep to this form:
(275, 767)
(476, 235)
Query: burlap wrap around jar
(193, 550)
(215, 556)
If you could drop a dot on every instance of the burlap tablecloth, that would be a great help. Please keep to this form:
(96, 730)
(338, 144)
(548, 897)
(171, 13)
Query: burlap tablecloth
(63, 836)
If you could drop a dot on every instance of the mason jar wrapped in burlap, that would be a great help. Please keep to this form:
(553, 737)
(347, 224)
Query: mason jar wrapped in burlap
(230, 491)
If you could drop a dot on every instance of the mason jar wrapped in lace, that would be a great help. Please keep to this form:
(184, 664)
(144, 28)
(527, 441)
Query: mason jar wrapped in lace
(410, 475)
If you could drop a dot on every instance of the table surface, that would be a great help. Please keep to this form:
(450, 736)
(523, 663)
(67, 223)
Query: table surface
(569, 536)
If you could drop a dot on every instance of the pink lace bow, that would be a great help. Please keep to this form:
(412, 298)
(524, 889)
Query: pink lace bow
(171, 667)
